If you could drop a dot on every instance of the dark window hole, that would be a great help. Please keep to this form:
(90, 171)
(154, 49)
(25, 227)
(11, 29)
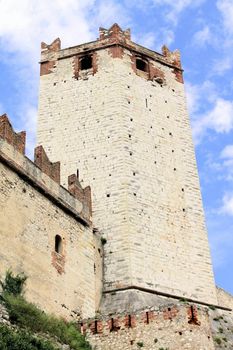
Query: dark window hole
(58, 244)
(180, 333)
(147, 317)
(141, 65)
(129, 136)
(130, 153)
(174, 169)
(135, 194)
(86, 62)
(131, 119)
(169, 309)
(108, 195)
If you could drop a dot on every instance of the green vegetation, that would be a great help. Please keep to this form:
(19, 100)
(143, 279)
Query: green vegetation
(220, 330)
(15, 340)
(13, 284)
(30, 319)
(140, 344)
(218, 340)
(212, 307)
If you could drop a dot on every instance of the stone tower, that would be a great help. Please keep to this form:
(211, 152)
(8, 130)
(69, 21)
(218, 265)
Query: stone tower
(117, 111)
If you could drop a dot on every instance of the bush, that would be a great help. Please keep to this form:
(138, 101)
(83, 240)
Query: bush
(28, 316)
(33, 320)
(15, 340)
(13, 284)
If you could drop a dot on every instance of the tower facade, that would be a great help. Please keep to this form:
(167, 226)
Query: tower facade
(117, 111)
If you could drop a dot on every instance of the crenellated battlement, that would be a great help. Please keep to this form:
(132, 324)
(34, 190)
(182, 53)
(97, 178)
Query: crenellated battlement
(43, 174)
(17, 140)
(118, 42)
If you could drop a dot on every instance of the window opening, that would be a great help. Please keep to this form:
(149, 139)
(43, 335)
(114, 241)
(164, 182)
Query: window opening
(141, 65)
(58, 244)
(86, 62)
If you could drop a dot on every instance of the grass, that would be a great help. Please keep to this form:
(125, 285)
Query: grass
(28, 316)
(30, 319)
(14, 340)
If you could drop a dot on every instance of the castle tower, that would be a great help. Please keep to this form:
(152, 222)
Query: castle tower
(117, 111)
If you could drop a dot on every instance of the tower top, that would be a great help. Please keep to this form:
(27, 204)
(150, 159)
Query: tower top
(115, 36)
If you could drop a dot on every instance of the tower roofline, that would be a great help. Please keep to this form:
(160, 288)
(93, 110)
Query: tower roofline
(114, 36)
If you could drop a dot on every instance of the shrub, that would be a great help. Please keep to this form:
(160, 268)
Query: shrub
(13, 284)
(140, 344)
(32, 319)
(28, 316)
(218, 340)
(15, 340)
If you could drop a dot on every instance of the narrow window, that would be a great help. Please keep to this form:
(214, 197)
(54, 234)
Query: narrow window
(86, 62)
(58, 244)
(141, 65)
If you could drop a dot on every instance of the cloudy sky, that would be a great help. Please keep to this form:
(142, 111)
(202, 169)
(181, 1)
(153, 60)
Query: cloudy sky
(201, 29)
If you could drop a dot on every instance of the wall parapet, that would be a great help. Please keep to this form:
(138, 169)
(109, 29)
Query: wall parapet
(43, 174)
(112, 37)
(172, 326)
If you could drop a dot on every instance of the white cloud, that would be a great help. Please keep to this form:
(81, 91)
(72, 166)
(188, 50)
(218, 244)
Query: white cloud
(226, 9)
(175, 8)
(227, 207)
(203, 36)
(218, 119)
(199, 94)
(227, 152)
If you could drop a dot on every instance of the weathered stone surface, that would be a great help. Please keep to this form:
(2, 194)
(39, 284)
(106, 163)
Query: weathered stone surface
(130, 137)
(34, 209)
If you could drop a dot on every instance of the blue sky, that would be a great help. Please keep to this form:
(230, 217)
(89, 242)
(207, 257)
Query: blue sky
(201, 29)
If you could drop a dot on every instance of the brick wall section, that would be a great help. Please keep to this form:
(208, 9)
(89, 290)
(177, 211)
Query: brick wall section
(43, 162)
(7, 133)
(168, 327)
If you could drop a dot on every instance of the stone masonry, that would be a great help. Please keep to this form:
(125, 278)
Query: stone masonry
(46, 231)
(117, 111)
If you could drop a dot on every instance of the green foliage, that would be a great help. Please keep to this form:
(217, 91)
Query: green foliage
(140, 344)
(220, 330)
(218, 340)
(28, 316)
(212, 307)
(15, 340)
(13, 284)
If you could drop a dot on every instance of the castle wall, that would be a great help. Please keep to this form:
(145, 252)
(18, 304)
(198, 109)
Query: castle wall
(33, 210)
(172, 327)
(137, 155)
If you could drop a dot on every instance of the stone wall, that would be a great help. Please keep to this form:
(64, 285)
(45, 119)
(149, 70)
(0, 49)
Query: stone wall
(128, 132)
(46, 232)
(172, 326)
